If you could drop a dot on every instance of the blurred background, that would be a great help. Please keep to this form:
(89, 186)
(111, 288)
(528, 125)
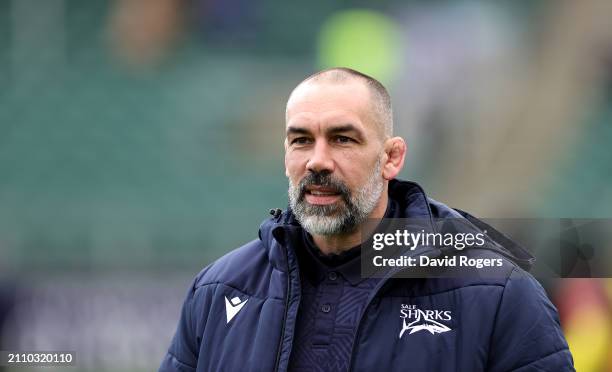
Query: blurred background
(142, 139)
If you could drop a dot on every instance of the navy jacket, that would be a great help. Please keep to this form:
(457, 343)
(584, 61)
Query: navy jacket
(240, 311)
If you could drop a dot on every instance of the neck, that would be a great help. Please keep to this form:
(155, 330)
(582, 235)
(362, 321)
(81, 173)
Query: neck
(335, 244)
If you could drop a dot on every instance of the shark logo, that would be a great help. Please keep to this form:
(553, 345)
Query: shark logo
(415, 320)
(233, 306)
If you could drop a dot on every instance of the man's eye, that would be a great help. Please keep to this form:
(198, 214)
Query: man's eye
(344, 139)
(300, 141)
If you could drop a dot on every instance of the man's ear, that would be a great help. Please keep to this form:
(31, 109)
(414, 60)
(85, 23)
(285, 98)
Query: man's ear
(395, 151)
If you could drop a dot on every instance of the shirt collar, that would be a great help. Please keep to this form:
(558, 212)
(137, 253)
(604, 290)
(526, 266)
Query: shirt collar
(316, 266)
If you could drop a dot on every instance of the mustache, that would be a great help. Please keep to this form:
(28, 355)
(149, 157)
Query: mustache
(324, 179)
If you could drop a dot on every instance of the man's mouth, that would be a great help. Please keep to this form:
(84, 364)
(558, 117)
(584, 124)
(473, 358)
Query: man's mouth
(321, 195)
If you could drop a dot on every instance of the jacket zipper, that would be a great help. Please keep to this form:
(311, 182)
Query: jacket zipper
(365, 309)
(382, 283)
(378, 287)
(287, 297)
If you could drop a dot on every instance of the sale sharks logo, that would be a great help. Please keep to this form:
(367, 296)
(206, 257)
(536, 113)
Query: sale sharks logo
(416, 320)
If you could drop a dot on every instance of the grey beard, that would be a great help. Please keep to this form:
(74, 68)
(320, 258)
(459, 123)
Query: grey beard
(338, 218)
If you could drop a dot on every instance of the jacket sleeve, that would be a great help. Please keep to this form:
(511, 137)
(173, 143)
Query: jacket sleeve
(527, 334)
(182, 354)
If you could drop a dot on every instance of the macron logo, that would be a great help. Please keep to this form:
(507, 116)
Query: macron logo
(233, 306)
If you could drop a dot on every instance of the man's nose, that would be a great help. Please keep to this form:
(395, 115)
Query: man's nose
(321, 159)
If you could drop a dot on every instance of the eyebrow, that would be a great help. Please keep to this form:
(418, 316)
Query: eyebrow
(333, 130)
(297, 130)
(344, 128)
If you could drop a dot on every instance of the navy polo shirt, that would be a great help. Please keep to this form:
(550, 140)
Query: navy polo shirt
(334, 296)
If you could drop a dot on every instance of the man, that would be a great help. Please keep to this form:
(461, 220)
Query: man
(294, 299)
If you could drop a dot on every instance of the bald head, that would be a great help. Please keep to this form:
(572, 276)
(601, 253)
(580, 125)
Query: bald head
(380, 101)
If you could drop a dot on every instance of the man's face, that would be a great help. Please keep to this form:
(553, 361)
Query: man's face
(333, 156)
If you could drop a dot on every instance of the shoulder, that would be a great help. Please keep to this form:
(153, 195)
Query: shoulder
(246, 268)
(527, 332)
(525, 322)
(231, 264)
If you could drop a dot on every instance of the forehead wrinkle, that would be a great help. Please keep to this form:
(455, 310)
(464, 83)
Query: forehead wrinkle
(336, 121)
(369, 111)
